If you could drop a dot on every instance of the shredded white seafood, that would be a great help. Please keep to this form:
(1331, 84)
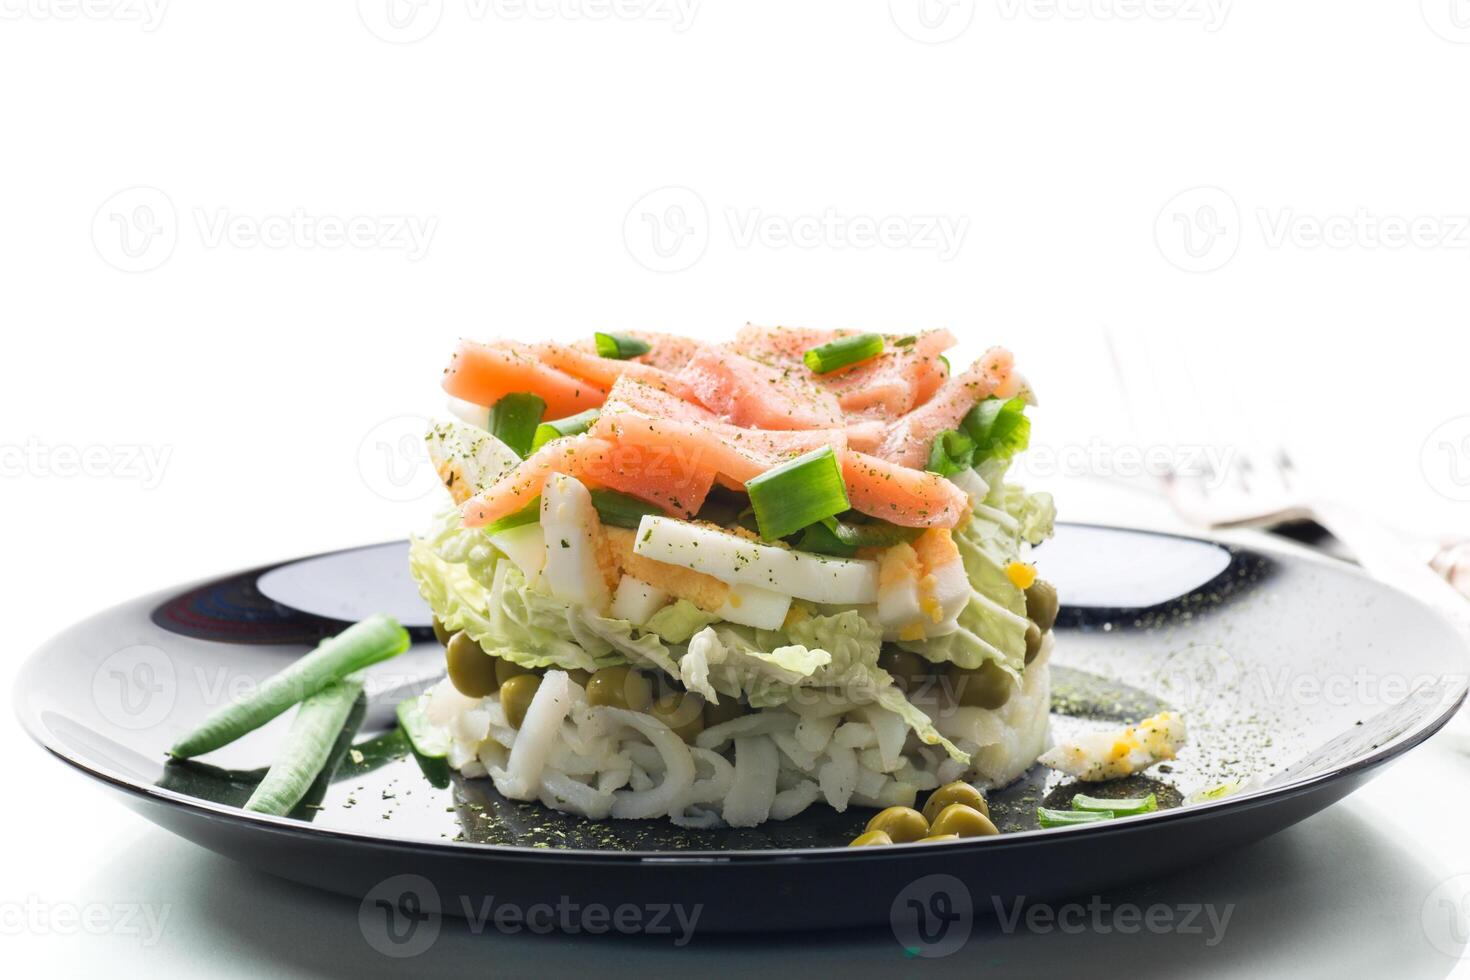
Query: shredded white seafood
(768, 765)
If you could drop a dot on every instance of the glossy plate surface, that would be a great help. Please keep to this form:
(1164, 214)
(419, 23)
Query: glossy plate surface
(1298, 678)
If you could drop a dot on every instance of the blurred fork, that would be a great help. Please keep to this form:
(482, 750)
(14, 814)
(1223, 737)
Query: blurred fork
(1261, 488)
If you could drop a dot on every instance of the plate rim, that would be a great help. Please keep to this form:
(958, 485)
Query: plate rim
(1254, 799)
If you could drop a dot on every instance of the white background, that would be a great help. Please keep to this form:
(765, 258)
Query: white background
(1227, 186)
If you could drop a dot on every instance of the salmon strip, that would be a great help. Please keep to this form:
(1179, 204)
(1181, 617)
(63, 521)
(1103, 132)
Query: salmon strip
(652, 474)
(485, 373)
(909, 438)
(748, 393)
(667, 436)
(605, 371)
(899, 495)
(638, 414)
(905, 375)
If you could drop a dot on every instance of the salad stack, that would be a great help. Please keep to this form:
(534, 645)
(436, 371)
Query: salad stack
(719, 583)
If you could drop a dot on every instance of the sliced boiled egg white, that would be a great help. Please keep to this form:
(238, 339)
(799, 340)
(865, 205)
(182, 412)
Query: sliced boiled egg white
(922, 587)
(573, 541)
(739, 561)
(749, 605)
(637, 601)
(1117, 753)
(525, 546)
(470, 413)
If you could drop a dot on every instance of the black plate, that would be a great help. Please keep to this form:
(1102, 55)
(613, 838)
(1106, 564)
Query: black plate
(1299, 677)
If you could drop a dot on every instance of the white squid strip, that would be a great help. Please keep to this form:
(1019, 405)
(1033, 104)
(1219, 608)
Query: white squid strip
(855, 735)
(717, 786)
(446, 704)
(762, 723)
(838, 777)
(891, 731)
(522, 775)
(561, 792)
(792, 749)
(668, 796)
(788, 803)
(750, 798)
(813, 734)
(893, 794)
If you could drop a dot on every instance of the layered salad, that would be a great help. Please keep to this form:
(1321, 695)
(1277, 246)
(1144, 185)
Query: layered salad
(719, 583)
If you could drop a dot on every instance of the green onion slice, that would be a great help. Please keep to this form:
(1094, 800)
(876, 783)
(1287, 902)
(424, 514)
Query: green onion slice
(619, 346)
(803, 491)
(572, 425)
(1119, 808)
(513, 420)
(1069, 818)
(819, 538)
(873, 534)
(953, 452)
(307, 748)
(529, 514)
(999, 427)
(423, 738)
(363, 644)
(843, 352)
(620, 509)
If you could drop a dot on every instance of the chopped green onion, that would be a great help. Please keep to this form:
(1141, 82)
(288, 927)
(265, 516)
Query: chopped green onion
(908, 341)
(819, 538)
(619, 346)
(308, 746)
(953, 452)
(529, 514)
(871, 534)
(513, 420)
(423, 737)
(723, 506)
(572, 425)
(1068, 818)
(803, 491)
(360, 645)
(620, 509)
(430, 745)
(332, 769)
(999, 427)
(843, 352)
(1118, 808)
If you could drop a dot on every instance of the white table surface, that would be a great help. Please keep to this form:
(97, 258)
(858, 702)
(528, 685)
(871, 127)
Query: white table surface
(1344, 893)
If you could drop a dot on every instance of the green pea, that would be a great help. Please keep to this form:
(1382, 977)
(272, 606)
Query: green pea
(908, 669)
(516, 695)
(987, 686)
(1033, 642)
(472, 671)
(962, 821)
(1042, 604)
(902, 823)
(684, 713)
(620, 687)
(505, 670)
(951, 793)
